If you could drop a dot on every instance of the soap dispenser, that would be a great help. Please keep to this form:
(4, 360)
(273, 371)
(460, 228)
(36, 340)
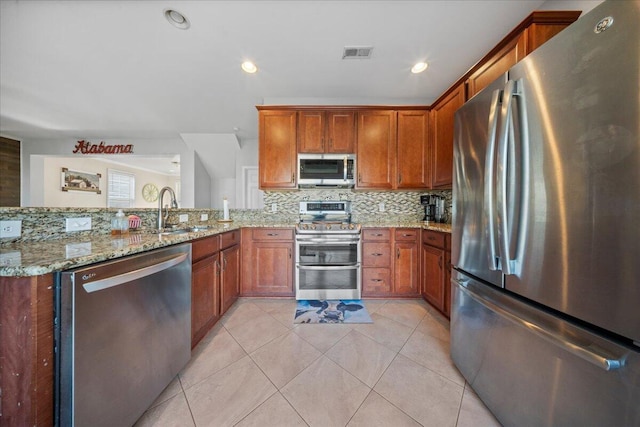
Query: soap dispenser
(119, 224)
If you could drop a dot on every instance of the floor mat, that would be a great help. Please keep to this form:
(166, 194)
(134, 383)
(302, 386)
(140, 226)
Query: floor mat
(331, 311)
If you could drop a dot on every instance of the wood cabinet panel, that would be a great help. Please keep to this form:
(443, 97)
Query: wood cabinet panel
(376, 254)
(204, 247)
(341, 132)
(376, 282)
(376, 234)
(277, 155)
(205, 301)
(433, 276)
(9, 172)
(267, 262)
(442, 144)
(497, 66)
(273, 268)
(272, 234)
(406, 267)
(26, 350)
(433, 238)
(229, 239)
(230, 277)
(376, 149)
(311, 129)
(413, 163)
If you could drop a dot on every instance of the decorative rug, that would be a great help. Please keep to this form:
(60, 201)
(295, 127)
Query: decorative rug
(331, 311)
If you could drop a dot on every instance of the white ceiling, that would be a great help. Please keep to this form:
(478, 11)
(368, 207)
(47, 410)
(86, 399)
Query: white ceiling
(118, 69)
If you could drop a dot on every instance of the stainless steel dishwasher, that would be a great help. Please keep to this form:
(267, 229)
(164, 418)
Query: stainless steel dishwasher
(123, 332)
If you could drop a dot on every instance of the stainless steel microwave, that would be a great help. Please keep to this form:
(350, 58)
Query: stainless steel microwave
(326, 170)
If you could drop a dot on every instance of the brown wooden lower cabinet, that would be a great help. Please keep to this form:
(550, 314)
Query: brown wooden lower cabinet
(215, 280)
(436, 270)
(205, 287)
(267, 262)
(390, 262)
(26, 350)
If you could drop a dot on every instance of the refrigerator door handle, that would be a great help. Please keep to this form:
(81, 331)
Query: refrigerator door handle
(510, 212)
(576, 345)
(489, 183)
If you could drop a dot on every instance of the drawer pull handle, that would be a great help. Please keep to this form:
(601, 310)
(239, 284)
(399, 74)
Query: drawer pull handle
(376, 254)
(272, 234)
(398, 253)
(431, 238)
(378, 234)
(377, 280)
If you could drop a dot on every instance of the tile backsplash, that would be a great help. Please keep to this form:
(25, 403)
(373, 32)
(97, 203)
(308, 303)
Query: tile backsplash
(404, 205)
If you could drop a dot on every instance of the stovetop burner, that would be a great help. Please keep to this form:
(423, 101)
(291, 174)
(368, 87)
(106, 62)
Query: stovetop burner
(326, 217)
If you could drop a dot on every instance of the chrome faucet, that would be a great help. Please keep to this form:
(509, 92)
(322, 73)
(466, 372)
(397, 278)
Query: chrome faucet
(162, 219)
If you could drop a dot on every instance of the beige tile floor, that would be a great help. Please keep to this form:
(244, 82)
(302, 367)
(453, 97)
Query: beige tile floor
(256, 368)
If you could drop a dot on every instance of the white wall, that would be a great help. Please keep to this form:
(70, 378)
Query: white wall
(48, 189)
(34, 151)
(248, 156)
(202, 181)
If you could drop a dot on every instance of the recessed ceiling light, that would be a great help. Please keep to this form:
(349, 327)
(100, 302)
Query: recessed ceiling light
(419, 67)
(249, 67)
(177, 19)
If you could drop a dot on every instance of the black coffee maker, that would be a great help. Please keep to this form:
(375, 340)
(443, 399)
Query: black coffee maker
(429, 203)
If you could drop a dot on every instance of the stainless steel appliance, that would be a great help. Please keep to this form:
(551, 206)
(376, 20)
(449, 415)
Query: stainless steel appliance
(545, 323)
(328, 252)
(326, 170)
(123, 332)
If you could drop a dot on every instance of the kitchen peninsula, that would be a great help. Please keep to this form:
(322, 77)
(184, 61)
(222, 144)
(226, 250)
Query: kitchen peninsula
(27, 286)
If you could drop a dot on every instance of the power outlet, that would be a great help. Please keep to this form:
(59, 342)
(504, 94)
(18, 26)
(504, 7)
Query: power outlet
(274, 207)
(380, 207)
(183, 217)
(204, 217)
(77, 224)
(10, 228)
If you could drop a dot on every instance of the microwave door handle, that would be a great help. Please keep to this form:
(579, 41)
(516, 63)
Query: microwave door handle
(344, 169)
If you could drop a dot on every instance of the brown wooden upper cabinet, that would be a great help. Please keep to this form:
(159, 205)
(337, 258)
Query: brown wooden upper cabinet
(442, 144)
(376, 149)
(524, 39)
(326, 131)
(413, 163)
(277, 156)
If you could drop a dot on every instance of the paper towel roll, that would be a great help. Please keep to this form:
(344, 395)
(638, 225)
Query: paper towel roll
(225, 209)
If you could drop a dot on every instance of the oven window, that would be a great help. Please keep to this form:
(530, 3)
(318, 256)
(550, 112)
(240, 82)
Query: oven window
(327, 279)
(328, 254)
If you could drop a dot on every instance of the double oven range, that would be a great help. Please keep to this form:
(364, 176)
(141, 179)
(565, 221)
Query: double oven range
(328, 252)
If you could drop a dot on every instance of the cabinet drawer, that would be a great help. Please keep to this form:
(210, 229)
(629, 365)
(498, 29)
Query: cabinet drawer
(406, 234)
(204, 247)
(433, 238)
(273, 234)
(376, 281)
(376, 254)
(229, 239)
(376, 234)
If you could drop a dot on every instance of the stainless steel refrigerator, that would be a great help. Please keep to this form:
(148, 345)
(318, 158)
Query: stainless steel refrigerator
(545, 322)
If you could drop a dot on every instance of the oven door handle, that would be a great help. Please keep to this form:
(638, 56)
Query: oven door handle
(328, 241)
(327, 267)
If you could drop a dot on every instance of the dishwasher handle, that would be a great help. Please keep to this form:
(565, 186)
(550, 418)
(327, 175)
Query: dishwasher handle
(109, 282)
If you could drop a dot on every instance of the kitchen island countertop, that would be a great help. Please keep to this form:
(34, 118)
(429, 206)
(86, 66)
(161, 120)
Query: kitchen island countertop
(41, 257)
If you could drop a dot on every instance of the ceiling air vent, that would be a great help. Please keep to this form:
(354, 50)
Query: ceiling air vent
(357, 52)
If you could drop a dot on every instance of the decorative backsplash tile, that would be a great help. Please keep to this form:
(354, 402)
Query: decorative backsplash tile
(402, 205)
(49, 223)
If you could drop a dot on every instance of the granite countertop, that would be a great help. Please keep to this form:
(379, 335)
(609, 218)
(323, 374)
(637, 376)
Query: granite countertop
(42, 257)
